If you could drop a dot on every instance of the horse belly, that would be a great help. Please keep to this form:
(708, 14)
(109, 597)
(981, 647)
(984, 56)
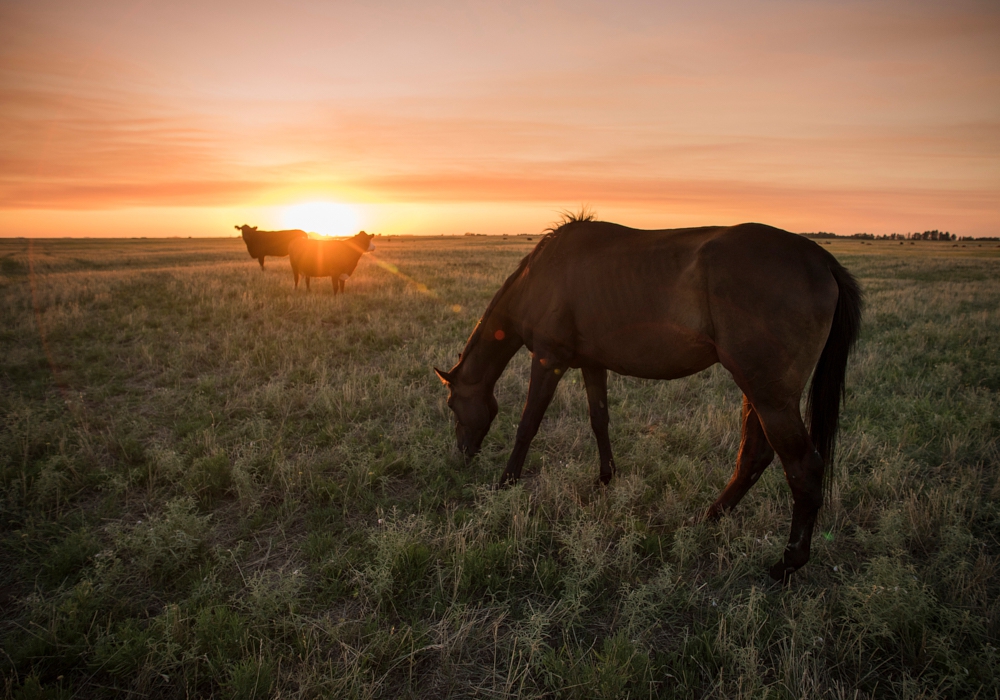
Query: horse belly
(650, 349)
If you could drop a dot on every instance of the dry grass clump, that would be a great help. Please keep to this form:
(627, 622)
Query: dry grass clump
(214, 486)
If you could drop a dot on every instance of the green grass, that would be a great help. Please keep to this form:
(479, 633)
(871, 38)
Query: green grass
(213, 486)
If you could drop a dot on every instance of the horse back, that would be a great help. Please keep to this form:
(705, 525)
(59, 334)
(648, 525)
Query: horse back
(657, 304)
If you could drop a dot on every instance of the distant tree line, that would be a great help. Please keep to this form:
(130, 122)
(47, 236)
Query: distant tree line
(933, 235)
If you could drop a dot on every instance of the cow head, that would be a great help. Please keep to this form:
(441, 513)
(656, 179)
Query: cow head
(363, 242)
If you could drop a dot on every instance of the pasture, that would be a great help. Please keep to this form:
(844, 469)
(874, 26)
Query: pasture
(214, 486)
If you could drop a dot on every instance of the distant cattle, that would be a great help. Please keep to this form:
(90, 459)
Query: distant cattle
(263, 243)
(334, 259)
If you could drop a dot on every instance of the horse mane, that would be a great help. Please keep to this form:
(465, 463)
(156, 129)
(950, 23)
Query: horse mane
(567, 219)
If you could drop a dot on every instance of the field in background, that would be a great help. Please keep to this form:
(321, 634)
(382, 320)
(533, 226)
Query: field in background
(211, 485)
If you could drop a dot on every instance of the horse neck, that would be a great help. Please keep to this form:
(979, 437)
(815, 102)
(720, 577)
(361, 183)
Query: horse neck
(485, 359)
(494, 341)
(491, 345)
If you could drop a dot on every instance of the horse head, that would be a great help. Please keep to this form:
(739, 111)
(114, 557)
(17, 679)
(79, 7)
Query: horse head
(474, 407)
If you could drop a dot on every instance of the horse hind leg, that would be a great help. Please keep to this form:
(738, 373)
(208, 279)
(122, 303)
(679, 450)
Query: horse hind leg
(804, 473)
(754, 457)
(596, 381)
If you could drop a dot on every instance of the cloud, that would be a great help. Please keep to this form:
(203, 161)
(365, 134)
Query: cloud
(116, 149)
(707, 194)
(809, 107)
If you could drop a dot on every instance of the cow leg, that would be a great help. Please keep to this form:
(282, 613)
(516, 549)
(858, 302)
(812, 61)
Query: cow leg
(261, 261)
(307, 283)
(545, 376)
(804, 472)
(341, 283)
(754, 457)
(596, 381)
(295, 274)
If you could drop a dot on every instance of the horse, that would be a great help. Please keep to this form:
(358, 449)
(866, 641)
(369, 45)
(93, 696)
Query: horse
(263, 243)
(769, 305)
(334, 259)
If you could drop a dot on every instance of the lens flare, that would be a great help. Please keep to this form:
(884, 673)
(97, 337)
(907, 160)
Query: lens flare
(389, 267)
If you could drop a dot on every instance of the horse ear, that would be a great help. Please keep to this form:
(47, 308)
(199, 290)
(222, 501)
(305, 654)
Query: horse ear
(445, 378)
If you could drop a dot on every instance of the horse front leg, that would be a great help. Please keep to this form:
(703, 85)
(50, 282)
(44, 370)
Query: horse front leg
(754, 457)
(545, 376)
(596, 382)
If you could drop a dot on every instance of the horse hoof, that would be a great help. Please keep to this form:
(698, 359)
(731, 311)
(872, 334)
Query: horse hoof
(781, 572)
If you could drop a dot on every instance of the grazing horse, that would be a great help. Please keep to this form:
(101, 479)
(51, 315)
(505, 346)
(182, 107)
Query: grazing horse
(769, 305)
(263, 243)
(333, 259)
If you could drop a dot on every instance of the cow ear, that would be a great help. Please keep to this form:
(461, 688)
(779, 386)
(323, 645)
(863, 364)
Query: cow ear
(445, 377)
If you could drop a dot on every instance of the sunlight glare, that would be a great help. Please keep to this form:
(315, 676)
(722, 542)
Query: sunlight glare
(324, 218)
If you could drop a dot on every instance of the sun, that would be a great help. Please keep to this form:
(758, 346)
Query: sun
(324, 218)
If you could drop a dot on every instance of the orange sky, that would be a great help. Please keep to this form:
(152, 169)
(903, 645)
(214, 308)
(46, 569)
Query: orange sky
(142, 118)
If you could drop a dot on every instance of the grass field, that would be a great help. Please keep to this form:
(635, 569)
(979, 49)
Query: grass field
(213, 486)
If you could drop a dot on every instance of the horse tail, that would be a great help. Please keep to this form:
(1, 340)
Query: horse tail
(827, 389)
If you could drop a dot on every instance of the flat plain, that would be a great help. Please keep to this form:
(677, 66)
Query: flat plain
(214, 486)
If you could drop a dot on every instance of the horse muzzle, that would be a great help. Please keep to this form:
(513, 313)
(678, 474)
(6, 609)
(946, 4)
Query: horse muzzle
(469, 443)
(468, 452)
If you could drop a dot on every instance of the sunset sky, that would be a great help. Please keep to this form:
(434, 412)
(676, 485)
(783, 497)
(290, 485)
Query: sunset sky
(187, 118)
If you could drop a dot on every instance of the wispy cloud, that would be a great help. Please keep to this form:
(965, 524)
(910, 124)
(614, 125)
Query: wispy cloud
(841, 108)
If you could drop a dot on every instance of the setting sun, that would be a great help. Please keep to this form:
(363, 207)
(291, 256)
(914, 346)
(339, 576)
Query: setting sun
(852, 117)
(325, 218)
